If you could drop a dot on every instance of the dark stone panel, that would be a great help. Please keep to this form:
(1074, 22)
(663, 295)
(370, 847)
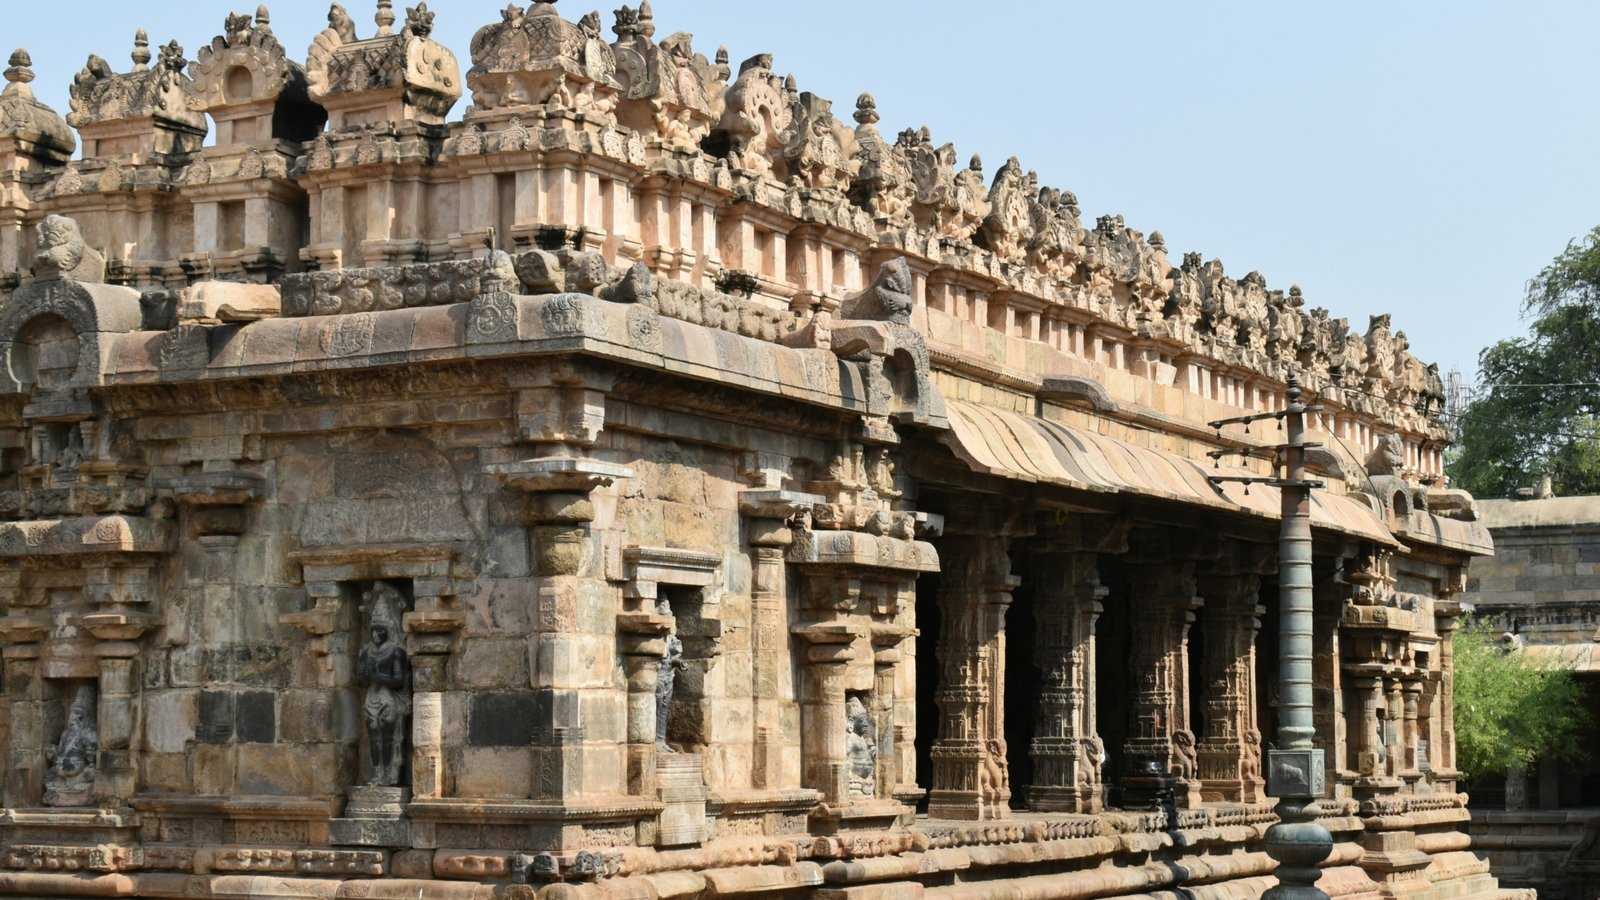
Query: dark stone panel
(504, 719)
(216, 717)
(256, 717)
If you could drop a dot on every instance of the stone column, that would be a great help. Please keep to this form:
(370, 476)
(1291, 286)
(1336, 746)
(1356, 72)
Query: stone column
(22, 716)
(1230, 751)
(1164, 600)
(116, 772)
(823, 718)
(1394, 737)
(1066, 745)
(1447, 611)
(644, 646)
(1370, 743)
(970, 777)
(118, 622)
(569, 648)
(1412, 690)
(886, 657)
(768, 509)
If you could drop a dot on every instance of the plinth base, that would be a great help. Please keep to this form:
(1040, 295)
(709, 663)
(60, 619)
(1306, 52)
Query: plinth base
(373, 817)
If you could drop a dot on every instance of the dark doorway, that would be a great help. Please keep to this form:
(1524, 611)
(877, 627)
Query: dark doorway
(1022, 683)
(1112, 650)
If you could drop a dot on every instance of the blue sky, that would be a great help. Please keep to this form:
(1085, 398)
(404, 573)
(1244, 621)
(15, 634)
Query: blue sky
(1423, 159)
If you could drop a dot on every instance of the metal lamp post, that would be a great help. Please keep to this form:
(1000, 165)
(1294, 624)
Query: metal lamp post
(1295, 772)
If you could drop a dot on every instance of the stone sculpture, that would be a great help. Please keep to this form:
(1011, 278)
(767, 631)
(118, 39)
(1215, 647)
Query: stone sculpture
(671, 664)
(859, 749)
(72, 758)
(62, 253)
(386, 671)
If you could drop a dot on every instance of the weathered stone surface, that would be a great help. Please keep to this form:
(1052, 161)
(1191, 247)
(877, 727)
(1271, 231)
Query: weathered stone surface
(615, 493)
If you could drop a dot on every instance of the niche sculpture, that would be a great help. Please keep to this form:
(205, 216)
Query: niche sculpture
(859, 749)
(668, 676)
(70, 778)
(386, 671)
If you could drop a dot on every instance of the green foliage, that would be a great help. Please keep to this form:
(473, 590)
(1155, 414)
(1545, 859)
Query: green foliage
(1511, 432)
(1511, 710)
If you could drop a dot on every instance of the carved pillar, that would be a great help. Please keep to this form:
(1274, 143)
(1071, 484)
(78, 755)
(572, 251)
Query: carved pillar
(1164, 601)
(1370, 753)
(1447, 611)
(1066, 746)
(118, 622)
(823, 719)
(1230, 751)
(886, 658)
(970, 777)
(768, 509)
(644, 646)
(431, 627)
(1412, 698)
(24, 720)
(1393, 735)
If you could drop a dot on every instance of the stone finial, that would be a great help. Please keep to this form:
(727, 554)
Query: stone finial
(1157, 241)
(263, 18)
(976, 164)
(141, 50)
(236, 26)
(419, 20)
(19, 73)
(867, 110)
(385, 18)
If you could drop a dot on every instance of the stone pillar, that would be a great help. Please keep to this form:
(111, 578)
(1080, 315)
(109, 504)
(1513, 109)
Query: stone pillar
(1164, 600)
(644, 646)
(970, 777)
(569, 649)
(1066, 746)
(886, 656)
(22, 716)
(1370, 742)
(1447, 611)
(1393, 736)
(775, 765)
(1230, 751)
(1410, 735)
(116, 772)
(823, 719)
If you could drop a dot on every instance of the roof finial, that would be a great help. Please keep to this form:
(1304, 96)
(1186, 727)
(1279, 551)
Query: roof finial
(866, 110)
(141, 50)
(385, 17)
(20, 73)
(263, 18)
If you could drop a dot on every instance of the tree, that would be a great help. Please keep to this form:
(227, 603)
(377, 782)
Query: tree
(1537, 407)
(1511, 710)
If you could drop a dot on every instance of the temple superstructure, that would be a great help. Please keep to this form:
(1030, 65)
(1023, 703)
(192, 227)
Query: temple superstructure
(643, 483)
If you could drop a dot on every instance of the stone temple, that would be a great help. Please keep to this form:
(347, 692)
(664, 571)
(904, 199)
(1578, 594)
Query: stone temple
(645, 484)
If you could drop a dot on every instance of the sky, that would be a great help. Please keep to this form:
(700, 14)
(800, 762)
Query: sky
(1424, 159)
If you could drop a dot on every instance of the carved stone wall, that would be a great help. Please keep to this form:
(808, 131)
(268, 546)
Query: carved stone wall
(571, 500)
